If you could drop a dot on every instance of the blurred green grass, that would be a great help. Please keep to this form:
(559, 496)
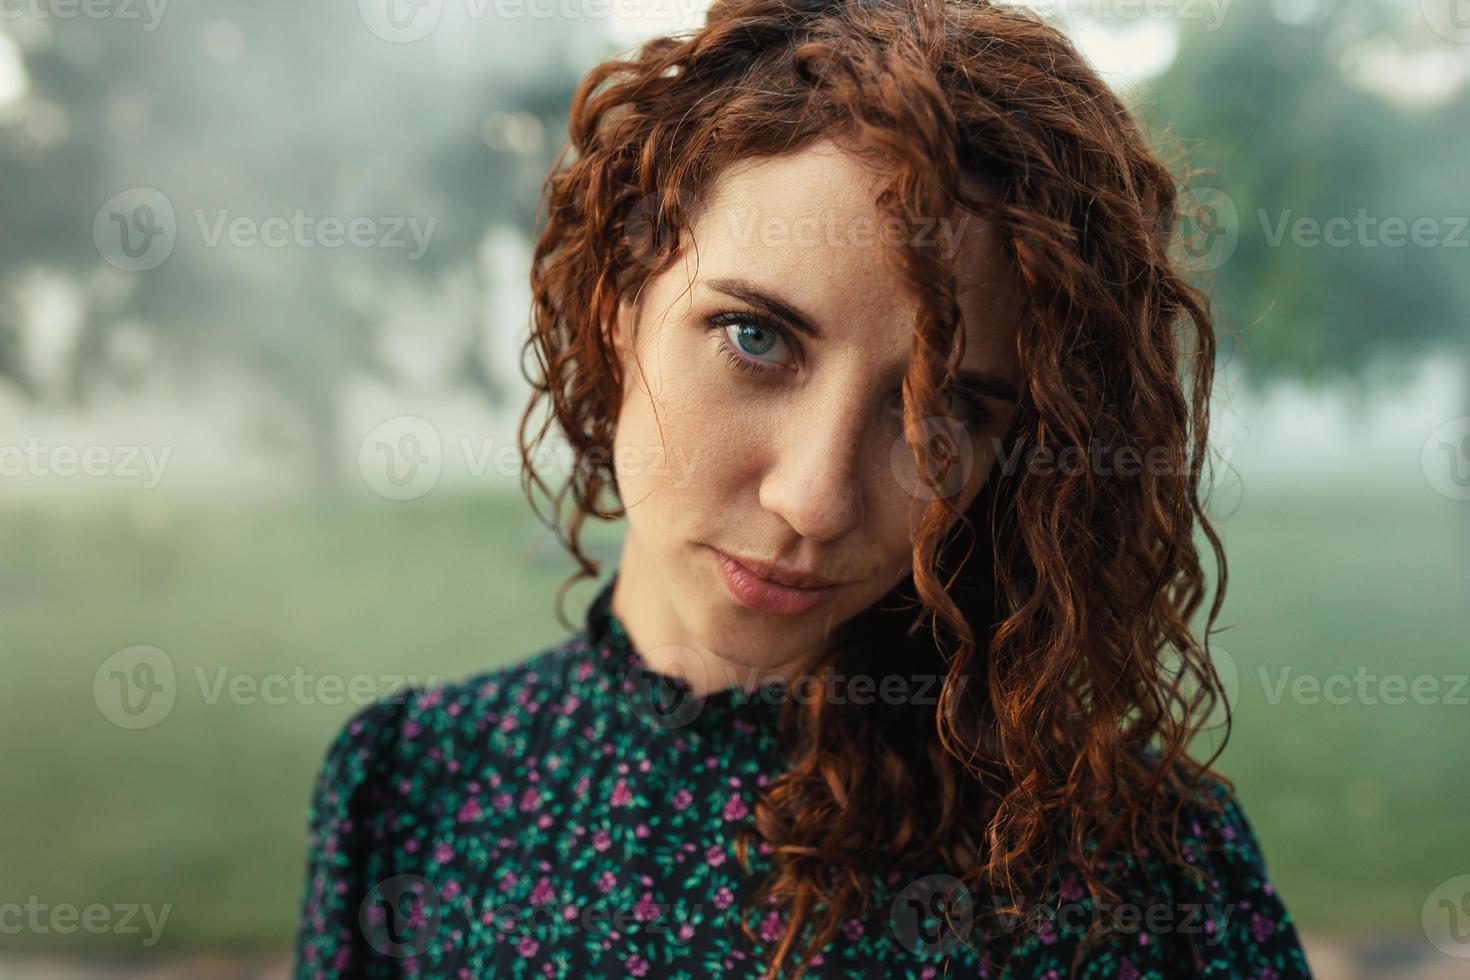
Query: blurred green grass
(1360, 807)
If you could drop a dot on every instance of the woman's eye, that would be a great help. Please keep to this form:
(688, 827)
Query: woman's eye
(750, 343)
(757, 341)
(971, 410)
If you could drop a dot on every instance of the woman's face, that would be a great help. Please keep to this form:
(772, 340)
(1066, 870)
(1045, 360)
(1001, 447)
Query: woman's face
(762, 415)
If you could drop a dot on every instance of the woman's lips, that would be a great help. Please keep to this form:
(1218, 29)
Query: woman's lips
(763, 595)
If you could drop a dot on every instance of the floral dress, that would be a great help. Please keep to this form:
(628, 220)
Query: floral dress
(563, 817)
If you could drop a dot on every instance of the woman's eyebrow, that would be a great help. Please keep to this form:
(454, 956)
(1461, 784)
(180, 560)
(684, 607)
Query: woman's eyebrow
(749, 292)
(971, 379)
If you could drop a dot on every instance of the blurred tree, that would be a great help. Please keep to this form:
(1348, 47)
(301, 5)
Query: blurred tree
(293, 112)
(263, 110)
(1273, 114)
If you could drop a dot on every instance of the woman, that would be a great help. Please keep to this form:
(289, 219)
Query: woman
(862, 314)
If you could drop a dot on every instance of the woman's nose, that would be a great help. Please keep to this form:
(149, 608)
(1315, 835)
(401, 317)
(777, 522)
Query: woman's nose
(816, 482)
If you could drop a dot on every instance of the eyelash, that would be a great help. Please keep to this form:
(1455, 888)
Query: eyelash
(974, 405)
(744, 362)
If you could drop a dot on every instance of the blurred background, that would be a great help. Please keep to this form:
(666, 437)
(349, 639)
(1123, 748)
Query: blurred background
(263, 286)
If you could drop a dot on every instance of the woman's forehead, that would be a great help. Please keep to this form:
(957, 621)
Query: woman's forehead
(805, 228)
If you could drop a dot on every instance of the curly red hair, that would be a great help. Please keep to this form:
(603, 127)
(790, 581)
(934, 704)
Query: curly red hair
(1073, 684)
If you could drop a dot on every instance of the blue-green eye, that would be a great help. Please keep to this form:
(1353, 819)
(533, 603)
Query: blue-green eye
(752, 339)
(752, 342)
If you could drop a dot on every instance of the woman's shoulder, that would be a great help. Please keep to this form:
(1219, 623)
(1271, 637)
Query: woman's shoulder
(423, 726)
(1207, 907)
(395, 765)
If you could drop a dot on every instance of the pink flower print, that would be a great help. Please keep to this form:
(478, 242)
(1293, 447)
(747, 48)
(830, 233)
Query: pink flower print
(470, 811)
(772, 928)
(528, 947)
(715, 856)
(852, 929)
(621, 796)
(1261, 927)
(682, 799)
(530, 799)
(601, 841)
(637, 966)
(443, 853)
(723, 898)
(647, 909)
(735, 808)
(606, 882)
(542, 893)
(501, 802)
